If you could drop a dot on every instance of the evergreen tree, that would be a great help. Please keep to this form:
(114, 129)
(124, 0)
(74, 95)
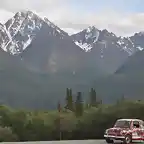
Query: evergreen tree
(69, 99)
(79, 105)
(123, 98)
(93, 98)
(86, 105)
(59, 107)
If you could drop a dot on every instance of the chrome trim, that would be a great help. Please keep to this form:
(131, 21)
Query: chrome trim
(109, 136)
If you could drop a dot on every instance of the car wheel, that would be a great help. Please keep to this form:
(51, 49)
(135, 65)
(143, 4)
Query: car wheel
(109, 141)
(128, 139)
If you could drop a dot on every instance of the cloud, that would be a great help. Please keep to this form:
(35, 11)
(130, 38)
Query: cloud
(38, 5)
(73, 20)
(5, 15)
(120, 23)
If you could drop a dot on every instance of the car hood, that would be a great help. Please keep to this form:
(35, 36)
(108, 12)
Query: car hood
(117, 130)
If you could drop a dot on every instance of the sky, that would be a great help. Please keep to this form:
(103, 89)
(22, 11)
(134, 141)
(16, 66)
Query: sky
(122, 17)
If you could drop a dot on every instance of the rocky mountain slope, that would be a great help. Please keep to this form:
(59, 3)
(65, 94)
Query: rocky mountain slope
(128, 80)
(134, 65)
(44, 47)
(88, 38)
(106, 49)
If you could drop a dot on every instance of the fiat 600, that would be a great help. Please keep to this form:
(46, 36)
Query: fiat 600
(126, 130)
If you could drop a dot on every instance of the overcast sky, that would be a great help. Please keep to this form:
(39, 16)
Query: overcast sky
(123, 17)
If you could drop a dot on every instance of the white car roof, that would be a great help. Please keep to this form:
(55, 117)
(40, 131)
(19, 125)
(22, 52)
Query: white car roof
(129, 120)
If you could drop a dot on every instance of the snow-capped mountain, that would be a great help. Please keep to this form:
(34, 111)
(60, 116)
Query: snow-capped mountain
(90, 37)
(107, 50)
(86, 38)
(19, 31)
(43, 45)
(40, 44)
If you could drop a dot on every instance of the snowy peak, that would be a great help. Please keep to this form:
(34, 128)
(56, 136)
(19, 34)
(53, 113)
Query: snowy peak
(91, 34)
(86, 38)
(91, 37)
(19, 31)
(138, 40)
(23, 20)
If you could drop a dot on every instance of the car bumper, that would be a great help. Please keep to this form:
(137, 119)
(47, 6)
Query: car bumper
(114, 137)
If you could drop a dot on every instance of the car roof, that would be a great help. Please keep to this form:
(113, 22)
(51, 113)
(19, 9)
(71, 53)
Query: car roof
(129, 120)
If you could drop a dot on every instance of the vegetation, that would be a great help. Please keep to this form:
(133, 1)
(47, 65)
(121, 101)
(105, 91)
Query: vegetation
(75, 120)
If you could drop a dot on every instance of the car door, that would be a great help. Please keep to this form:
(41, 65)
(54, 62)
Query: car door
(142, 129)
(137, 128)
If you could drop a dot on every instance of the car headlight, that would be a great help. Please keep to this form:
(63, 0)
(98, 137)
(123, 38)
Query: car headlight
(106, 132)
(123, 132)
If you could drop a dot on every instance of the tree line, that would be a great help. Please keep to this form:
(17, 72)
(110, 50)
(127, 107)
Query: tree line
(74, 120)
(78, 106)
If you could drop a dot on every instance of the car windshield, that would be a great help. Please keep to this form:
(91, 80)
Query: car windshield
(122, 124)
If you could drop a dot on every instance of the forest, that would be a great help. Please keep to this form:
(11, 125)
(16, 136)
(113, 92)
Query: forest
(76, 119)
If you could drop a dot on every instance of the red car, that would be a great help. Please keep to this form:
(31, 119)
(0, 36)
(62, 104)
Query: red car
(126, 130)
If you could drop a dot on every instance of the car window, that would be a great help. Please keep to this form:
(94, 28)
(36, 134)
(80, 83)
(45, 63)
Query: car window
(142, 124)
(136, 124)
(122, 124)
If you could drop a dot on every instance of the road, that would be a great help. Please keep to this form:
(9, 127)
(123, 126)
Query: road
(62, 142)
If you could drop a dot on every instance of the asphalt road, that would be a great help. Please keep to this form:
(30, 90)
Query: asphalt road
(62, 142)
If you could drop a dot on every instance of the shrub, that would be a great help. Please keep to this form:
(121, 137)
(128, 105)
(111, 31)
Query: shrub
(6, 135)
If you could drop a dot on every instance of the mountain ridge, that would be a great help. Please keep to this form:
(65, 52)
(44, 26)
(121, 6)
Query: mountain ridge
(37, 73)
(29, 14)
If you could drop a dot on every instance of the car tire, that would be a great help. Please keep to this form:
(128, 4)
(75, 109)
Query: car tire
(128, 139)
(109, 141)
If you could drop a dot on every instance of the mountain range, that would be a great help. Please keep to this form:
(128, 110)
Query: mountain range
(38, 61)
